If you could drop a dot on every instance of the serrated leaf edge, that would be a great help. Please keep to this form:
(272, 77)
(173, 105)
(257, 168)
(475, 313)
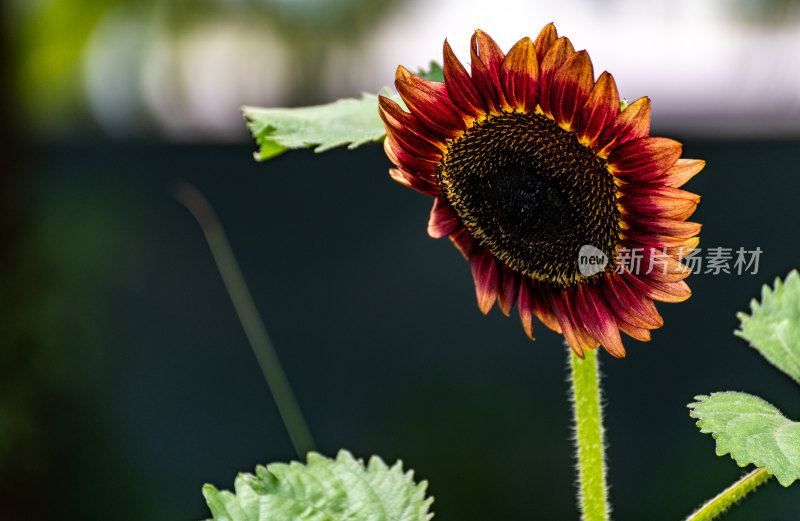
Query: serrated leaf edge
(741, 462)
(767, 292)
(215, 497)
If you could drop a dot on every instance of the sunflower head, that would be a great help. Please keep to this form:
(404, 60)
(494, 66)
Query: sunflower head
(534, 168)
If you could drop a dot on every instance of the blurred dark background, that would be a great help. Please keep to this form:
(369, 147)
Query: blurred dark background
(126, 381)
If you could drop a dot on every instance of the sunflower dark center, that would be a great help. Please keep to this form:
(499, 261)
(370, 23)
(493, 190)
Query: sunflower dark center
(532, 194)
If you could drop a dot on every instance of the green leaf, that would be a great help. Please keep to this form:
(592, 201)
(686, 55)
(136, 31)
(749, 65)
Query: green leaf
(349, 121)
(773, 327)
(752, 431)
(434, 72)
(323, 490)
(267, 148)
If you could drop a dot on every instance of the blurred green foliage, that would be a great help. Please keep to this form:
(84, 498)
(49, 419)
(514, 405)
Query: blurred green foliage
(767, 11)
(53, 335)
(48, 39)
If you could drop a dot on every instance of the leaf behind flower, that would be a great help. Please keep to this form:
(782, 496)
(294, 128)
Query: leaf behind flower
(352, 122)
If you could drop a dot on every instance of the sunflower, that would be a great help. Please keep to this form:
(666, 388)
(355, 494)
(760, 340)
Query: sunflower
(533, 164)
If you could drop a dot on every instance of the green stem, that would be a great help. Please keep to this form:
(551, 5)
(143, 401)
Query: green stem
(252, 324)
(730, 495)
(589, 441)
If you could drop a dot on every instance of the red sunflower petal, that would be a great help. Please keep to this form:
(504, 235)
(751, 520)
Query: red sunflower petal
(669, 276)
(459, 85)
(487, 61)
(570, 89)
(568, 328)
(402, 158)
(657, 201)
(525, 306)
(442, 221)
(520, 76)
(402, 74)
(542, 308)
(491, 56)
(556, 55)
(631, 123)
(680, 172)
(546, 37)
(411, 133)
(463, 241)
(673, 245)
(656, 190)
(677, 248)
(414, 145)
(657, 264)
(644, 159)
(486, 276)
(679, 251)
(671, 227)
(630, 304)
(430, 103)
(509, 289)
(661, 291)
(575, 334)
(600, 109)
(638, 333)
(399, 120)
(599, 321)
(412, 181)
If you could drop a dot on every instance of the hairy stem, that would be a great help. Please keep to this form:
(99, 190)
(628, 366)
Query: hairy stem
(589, 437)
(252, 324)
(730, 495)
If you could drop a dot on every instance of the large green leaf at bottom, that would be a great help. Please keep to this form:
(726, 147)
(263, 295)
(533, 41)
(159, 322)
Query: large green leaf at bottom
(752, 431)
(773, 327)
(323, 489)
